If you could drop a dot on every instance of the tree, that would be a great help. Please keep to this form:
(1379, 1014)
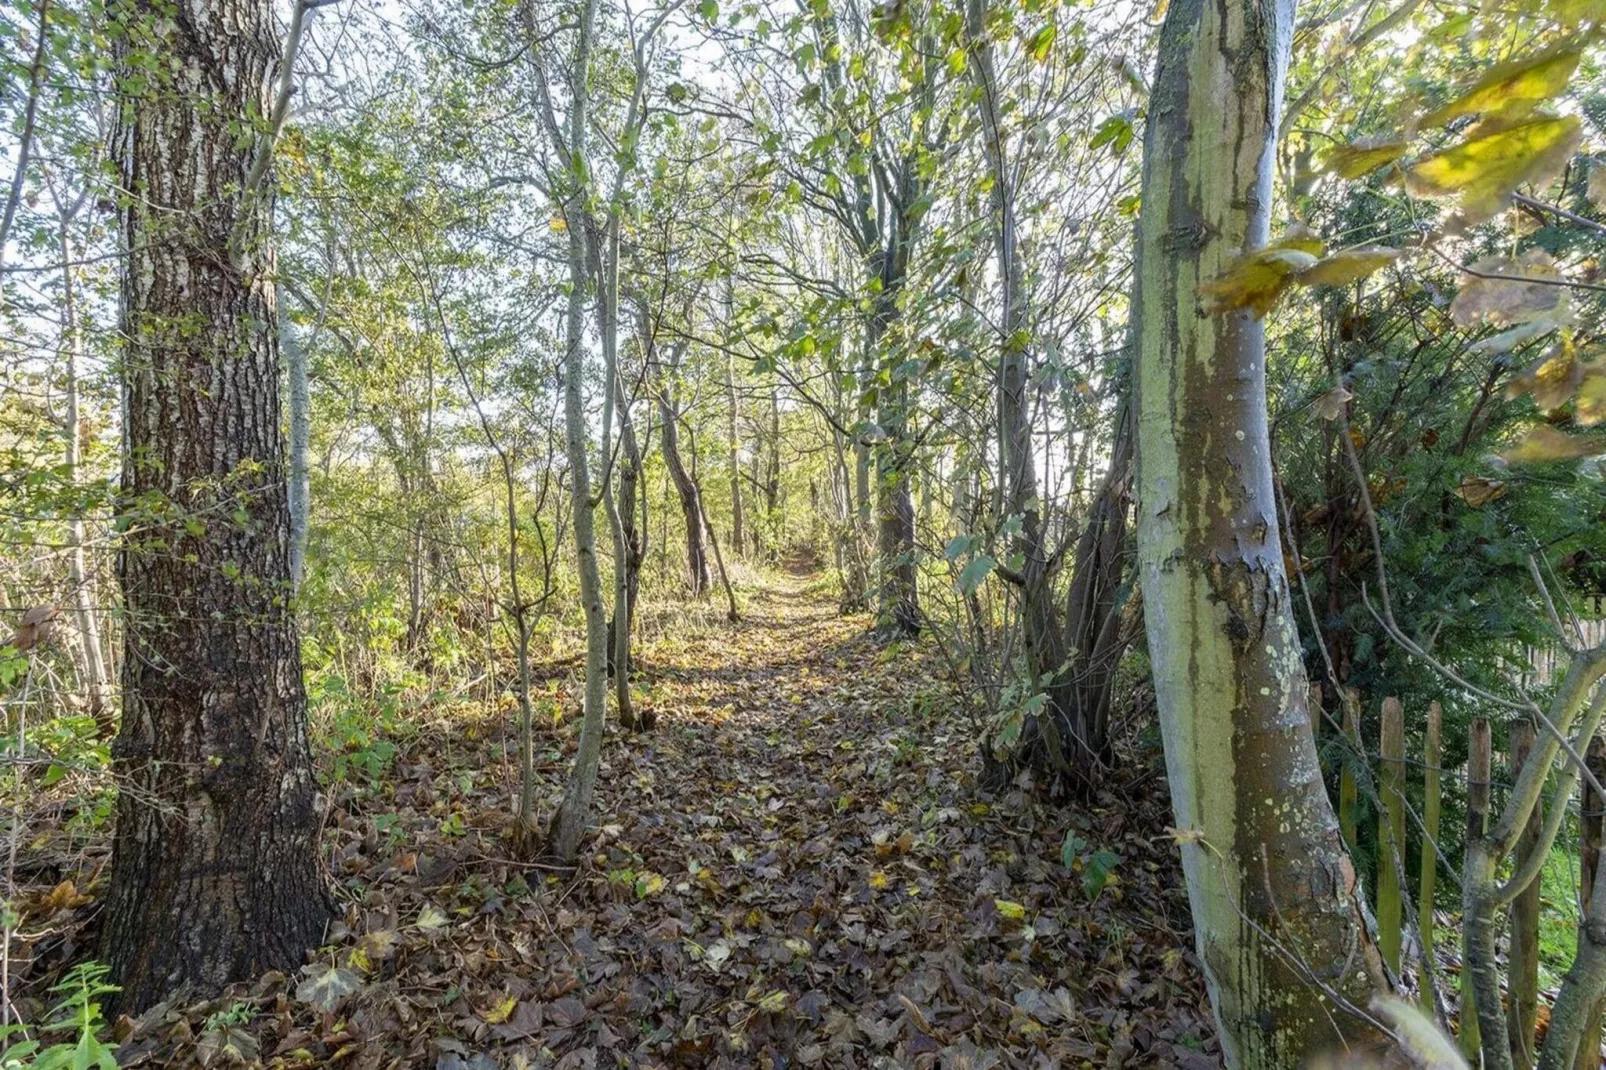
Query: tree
(214, 868)
(1275, 902)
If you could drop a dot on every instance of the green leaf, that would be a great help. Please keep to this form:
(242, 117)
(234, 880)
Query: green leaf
(1039, 44)
(708, 9)
(975, 573)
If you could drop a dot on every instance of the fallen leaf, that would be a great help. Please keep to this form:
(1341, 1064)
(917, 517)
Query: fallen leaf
(326, 986)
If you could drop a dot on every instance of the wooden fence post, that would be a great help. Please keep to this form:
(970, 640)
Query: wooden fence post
(1430, 840)
(1478, 763)
(1522, 1005)
(1348, 796)
(1390, 831)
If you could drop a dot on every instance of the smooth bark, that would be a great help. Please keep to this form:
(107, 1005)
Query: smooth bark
(1265, 864)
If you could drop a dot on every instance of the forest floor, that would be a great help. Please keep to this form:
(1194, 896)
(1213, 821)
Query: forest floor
(795, 868)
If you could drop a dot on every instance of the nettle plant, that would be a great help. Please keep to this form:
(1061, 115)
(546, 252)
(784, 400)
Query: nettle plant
(76, 1020)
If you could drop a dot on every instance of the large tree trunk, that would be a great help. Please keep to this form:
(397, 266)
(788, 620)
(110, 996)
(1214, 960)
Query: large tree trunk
(214, 865)
(1266, 867)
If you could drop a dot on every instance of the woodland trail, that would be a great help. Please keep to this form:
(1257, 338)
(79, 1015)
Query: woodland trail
(794, 869)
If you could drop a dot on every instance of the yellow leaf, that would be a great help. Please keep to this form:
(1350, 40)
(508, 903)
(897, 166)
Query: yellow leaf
(1481, 172)
(501, 1012)
(1363, 156)
(878, 880)
(1255, 280)
(1478, 492)
(1552, 380)
(1513, 89)
(1589, 408)
(1345, 267)
(1012, 911)
(774, 1003)
(1544, 443)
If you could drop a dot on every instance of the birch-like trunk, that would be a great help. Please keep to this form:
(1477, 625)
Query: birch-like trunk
(569, 823)
(93, 662)
(1277, 911)
(215, 874)
(300, 397)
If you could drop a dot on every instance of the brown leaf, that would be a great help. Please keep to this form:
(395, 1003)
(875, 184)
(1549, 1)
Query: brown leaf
(1501, 290)
(34, 628)
(1477, 491)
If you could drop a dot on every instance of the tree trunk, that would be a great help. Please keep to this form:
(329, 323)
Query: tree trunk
(93, 667)
(214, 861)
(1266, 868)
(699, 576)
(1522, 924)
(898, 605)
(569, 823)
(734, 445)
(300, 447)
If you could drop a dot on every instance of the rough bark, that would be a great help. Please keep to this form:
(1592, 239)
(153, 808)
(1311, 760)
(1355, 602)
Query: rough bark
(1591, 819)
(214, 866)
(1265, 865)
(1522, 924)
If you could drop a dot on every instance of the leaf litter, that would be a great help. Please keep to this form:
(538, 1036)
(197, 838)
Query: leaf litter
(796, 869)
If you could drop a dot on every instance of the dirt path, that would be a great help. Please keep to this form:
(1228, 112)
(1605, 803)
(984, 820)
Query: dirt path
(794, 869)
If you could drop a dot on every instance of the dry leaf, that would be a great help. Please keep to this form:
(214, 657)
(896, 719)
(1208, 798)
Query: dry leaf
(1544, 444)
(1499, 290)
(1330, 406)
(1477, 491)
